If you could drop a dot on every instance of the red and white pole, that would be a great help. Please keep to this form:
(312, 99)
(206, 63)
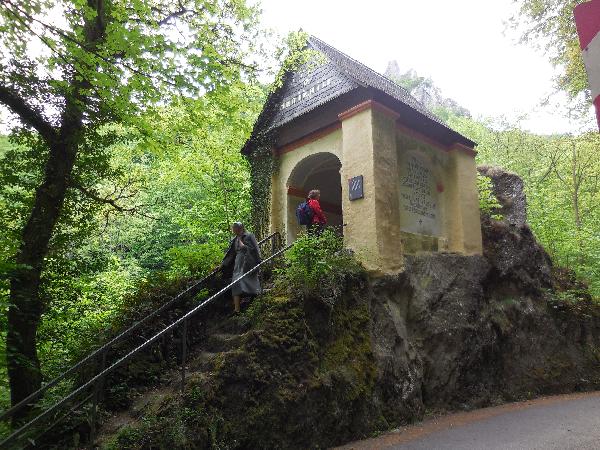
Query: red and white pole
(587, 19)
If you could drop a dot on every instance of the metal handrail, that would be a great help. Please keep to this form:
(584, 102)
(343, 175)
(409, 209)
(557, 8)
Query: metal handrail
(73, 369)
(139, 348)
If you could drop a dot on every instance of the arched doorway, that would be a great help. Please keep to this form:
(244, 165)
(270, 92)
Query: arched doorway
(318, 171)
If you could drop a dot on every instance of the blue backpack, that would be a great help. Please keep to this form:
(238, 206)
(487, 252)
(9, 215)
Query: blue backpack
(304, 213)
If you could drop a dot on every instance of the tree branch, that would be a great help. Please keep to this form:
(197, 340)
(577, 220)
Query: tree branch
(112, 202)
(92, 50)
(28, 114)
(173, 15)
(98, 198)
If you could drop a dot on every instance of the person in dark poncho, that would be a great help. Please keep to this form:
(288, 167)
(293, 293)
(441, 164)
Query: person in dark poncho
(242, 255)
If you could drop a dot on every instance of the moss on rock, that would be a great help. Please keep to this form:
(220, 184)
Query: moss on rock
(303, 377)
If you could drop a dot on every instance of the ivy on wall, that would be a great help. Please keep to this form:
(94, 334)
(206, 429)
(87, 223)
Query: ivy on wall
(262, 166)
(261, 159)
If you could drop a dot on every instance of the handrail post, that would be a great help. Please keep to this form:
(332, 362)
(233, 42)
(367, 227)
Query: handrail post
(94, 412)
(183, 353)
(98, 388)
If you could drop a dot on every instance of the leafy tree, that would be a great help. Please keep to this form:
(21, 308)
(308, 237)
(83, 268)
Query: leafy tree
(176, 227)
(488, 202)
(194, 181)
(561, 175)
(549, 24)
(4, 145)
(102, 61)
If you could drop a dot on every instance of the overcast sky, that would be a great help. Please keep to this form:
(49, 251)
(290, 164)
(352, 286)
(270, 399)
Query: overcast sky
(463, 45)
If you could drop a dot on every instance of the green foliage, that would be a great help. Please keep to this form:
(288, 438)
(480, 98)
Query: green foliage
(262, 165)
(194, 260)
(79, 76)
(158, 178)
(150, 433)
(575, 301)
(309, 260)
(488, 203)
(296, 56)
(193, 180)
(561, 175)
(318, 264)
(5, 145)
(571, 297)
(142, 56)
(182, 185)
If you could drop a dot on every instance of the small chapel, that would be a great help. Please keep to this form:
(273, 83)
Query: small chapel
(394, 179)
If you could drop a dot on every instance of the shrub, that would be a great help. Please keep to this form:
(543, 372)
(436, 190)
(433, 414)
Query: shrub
(317, 265)
(488, 203)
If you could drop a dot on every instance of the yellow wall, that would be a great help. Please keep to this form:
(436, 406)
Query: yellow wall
(360, 233)
(455, 171)
(373, 229)
(464, 233)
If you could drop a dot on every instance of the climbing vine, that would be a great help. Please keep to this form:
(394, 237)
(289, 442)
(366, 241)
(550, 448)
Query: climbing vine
(262, 162)
(262, 165)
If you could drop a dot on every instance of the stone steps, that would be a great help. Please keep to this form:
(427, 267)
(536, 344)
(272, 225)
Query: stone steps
(221, 342)
(203, 362)
(223, 337)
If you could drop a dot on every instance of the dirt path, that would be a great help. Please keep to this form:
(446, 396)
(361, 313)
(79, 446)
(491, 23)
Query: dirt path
(561, 422)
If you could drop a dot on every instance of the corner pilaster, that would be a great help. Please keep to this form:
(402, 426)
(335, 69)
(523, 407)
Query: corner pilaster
(369, 149)
(464, 218)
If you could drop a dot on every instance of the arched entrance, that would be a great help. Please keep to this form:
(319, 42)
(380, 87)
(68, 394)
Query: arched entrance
(318, 171)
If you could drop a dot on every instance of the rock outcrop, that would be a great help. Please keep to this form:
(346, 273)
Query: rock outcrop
(462, 332)
(510, 192)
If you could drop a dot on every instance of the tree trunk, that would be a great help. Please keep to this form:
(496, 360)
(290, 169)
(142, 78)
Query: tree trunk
(26, 308)
(576, 180)
(576, 186)
(25, 304)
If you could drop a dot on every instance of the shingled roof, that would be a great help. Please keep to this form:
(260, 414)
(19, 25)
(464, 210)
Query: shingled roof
(369, 78)
(350, 75)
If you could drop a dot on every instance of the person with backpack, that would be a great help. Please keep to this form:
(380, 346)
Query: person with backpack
(310, 214)
(318, 218)
(242, 256)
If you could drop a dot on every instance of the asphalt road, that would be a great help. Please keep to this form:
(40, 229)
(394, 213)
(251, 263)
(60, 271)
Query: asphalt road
(565, 422)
